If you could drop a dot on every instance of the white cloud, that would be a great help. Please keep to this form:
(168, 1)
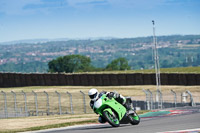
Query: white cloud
(33, 6)
(21, 7)
(117, 3)
(86, 4)
(15, 6)
(136, 3)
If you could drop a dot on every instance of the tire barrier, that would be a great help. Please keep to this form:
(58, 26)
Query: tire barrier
(19, 79)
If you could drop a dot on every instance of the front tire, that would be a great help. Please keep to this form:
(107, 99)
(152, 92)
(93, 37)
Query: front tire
(111, 118)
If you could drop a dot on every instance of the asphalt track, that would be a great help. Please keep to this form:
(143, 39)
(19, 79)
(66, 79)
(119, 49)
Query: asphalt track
(183, 121)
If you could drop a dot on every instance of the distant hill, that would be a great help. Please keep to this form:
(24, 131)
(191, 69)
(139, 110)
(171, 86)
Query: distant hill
(174, 51)
(32, 41)
(35, 41)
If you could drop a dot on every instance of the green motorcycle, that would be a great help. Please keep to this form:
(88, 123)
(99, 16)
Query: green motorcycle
(115, 113)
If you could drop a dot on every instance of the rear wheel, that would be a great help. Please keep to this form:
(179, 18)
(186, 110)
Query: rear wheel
(135, 119)
(111, 118)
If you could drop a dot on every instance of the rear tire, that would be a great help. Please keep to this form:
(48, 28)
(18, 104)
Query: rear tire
(135, 119)
(111, 118)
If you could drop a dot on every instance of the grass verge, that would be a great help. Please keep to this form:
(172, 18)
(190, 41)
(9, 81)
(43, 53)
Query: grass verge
(50, 126)
(162, 70)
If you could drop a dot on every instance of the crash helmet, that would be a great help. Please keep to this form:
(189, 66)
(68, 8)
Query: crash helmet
(93, 94)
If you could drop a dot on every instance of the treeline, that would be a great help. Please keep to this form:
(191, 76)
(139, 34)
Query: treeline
(80, 63)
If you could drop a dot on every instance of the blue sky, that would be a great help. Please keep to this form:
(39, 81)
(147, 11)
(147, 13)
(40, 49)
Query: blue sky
(32, 19)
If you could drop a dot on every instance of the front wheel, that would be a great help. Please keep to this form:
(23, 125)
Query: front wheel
(111, 118)
(135, 119)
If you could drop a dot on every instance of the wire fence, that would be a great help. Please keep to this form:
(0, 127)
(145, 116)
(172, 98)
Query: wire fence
(171, 99)
(24, 104)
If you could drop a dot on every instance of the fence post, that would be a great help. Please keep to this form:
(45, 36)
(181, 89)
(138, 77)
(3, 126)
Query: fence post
(15, 106)
(48, 109)
(184, 96)
(71, 104)
(36, 104)
(84, 101)
(5, 104)
(147, 99)
(59, 102)
(160, 102)
(175, 97)
(191, 98)
(25, 103)
(151, 98)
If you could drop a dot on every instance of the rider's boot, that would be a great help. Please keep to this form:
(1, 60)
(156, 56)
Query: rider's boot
(126, 102)
(129, 108)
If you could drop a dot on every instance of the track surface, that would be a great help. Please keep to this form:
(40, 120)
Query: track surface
(152, 125)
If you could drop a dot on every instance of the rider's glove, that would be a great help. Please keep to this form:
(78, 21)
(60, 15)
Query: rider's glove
(113, 95)
(110, 95)
(116, 95)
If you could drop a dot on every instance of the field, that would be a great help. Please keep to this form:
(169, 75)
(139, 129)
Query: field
(162, 70)
(125, 90)
(44, 122)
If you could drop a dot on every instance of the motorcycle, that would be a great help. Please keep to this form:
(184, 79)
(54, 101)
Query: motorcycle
(115, 113)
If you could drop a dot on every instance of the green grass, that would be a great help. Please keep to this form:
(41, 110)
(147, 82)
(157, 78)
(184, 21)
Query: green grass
(162, 70)
(181, 70)
(50, 126)
(58, 125)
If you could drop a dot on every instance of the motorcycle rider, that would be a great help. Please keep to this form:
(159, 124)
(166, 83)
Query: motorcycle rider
(95, 95)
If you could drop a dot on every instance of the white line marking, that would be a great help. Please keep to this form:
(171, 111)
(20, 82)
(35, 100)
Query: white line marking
(178, 131)
(63, 128)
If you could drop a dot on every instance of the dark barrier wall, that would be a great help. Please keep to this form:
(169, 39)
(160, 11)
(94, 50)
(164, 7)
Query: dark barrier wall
(18, 79)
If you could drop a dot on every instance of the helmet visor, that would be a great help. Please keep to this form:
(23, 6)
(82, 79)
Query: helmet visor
(93, 96)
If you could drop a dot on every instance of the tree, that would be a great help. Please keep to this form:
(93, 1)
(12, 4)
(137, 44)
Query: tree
(70, 63)
(118, 64)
